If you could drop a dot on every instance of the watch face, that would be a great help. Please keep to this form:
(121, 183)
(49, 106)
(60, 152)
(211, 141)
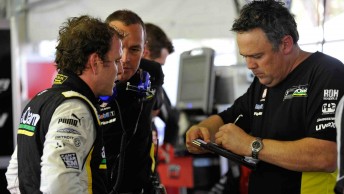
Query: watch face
(256, 145)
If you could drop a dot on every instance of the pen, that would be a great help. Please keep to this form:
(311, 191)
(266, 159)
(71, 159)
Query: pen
(236, 120)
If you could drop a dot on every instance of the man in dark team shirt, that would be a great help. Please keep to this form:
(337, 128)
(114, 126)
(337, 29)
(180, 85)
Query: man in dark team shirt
(288, 111)
(126, 117)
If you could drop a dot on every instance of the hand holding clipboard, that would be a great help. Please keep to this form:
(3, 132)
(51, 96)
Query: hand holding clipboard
(212, 147)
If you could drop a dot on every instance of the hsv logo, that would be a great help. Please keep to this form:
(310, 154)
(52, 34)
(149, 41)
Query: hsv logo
(329, 108)
(331, 94)
(4, 84)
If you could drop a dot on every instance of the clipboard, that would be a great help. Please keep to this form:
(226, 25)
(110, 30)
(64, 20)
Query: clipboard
(213, 147)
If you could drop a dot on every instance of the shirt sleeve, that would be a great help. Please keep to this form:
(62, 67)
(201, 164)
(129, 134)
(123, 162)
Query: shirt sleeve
(69, 139)
(12, 174)
(324, 95)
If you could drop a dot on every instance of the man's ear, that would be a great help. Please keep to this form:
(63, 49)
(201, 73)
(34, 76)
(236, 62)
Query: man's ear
(94, 62)
(287, 44)
(146, 52)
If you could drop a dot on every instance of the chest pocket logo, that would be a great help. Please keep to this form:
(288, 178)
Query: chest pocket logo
(296, 92)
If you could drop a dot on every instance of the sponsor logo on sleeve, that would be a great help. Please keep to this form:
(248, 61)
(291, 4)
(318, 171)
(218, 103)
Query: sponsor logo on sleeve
(70, 160)
(69, 139)
(325, 119)
(69, 130)
(28, 122)
(59, 144)
(324, 126)
(328, 108)
(75, 121)
(331, 94)
(77, 142)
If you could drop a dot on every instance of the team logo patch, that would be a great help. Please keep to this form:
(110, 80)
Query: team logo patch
(70, 160)
(296, 91)
(59, 79)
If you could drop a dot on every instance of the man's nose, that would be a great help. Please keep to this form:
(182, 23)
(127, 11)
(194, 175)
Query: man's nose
(125, 57)
(251, 64)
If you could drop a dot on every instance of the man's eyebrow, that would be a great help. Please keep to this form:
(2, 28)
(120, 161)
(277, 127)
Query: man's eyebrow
(252, 55)
(136, 46)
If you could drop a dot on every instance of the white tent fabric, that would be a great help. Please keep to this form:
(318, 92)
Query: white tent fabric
(190, 19)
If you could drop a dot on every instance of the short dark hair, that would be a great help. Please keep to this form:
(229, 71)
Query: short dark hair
(127, 17)
(269, 15)
(157, 40)
(78, 38)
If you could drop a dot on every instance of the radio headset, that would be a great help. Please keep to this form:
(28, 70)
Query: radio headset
(143, 88)
(144, 93)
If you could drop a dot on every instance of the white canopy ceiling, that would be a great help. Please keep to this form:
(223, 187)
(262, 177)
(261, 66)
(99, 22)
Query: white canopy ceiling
(192, 19)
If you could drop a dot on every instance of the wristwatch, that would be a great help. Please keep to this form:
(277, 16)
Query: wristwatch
(256, 146)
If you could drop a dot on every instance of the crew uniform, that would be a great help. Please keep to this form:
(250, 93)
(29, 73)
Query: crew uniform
(127, 131)
(60, 148)
(302, 105)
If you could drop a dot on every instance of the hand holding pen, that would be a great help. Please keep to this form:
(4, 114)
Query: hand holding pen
(232, 137)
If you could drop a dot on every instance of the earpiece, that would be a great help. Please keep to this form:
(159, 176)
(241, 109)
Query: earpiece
(143, 88)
